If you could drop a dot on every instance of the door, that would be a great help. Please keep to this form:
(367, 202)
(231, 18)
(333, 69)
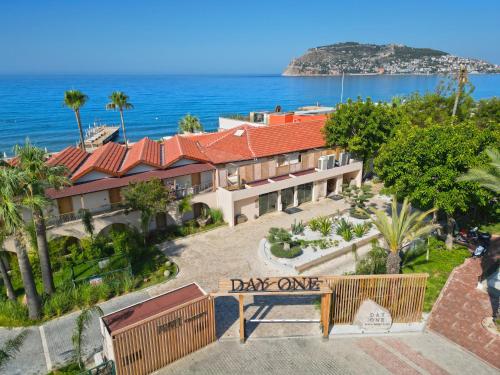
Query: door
(65, 205)
(287, 198)
(305, 192)
(330, 186)
(267, 203)
(114, 195)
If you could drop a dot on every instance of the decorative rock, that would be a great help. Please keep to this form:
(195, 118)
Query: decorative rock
(168, 263)
(286, 246)
(166, 273)
(371, 317)
(103, 263)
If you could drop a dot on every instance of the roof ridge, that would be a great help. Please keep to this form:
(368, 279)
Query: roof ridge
(248, 143)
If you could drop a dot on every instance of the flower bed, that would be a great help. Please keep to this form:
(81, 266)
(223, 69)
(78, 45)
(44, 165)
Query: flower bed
(323, 239)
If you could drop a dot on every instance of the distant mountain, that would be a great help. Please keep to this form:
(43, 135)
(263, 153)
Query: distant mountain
(357, 58)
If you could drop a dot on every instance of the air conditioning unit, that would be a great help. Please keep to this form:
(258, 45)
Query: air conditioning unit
(342, 158)
(323, 163)
(331, 161)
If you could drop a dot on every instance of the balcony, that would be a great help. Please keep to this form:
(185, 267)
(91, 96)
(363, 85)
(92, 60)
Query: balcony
(180, 192)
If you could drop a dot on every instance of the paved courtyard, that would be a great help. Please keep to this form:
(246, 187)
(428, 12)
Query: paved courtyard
(413, 354)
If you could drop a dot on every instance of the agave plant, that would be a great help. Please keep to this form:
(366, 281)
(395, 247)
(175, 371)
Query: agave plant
(359, 230)
(314, 224)
(325, 226)
(298, 228)
(343, 225)
(346, 234)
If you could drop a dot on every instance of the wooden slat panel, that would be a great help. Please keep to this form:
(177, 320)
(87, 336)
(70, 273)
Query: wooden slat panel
(151, 345)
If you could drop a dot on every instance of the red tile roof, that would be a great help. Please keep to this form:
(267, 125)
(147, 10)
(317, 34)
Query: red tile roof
(146, 151)
(116, 182)
(106, 159)
(71, 157)
(162, 303)
(242, 143)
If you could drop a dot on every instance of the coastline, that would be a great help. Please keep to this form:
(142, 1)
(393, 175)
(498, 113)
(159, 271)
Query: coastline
(383, 74)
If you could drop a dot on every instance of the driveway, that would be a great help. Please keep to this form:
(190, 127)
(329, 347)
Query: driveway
(414, 354)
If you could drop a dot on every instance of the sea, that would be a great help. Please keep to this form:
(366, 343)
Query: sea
(32, 106)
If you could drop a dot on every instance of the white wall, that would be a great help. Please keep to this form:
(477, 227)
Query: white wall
(248, 207)
(92, 200)
(94, 175)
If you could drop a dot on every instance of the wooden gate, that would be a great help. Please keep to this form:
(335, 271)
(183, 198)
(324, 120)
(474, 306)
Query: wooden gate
(146, 337)
(402, 295)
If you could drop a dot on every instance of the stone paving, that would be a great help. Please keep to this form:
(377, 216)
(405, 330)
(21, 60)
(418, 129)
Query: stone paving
(424, 353)
(460, 309)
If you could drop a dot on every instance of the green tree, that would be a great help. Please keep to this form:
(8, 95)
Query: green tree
(13, 224)
(184, 206)
(36, 177)
(190, 124)
(78, 337)
(11, 347)
(400, 229)
(75, 99)
(488, 176)
(150, 198)
(119, 101)
(87, 221)
(423, 164)
(487, 112)
(361, 127)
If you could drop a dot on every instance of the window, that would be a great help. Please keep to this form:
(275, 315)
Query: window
(295, 158)
(281, 161)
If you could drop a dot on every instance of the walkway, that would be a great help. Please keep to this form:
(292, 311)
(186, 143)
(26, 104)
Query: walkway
(378, 355)
(460, 309)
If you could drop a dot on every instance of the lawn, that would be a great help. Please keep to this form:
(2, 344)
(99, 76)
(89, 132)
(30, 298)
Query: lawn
(441, 263)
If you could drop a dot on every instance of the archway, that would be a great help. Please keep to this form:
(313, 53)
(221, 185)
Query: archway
(200, 209)
(117, 227)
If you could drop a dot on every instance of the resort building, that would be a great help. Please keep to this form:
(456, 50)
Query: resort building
(246, 172)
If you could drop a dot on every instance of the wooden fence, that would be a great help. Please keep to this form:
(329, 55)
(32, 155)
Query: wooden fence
(402, 295)
(164, 338)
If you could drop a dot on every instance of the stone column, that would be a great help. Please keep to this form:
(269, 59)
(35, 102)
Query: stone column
(338, 184)
(359, 178)
(279, 206)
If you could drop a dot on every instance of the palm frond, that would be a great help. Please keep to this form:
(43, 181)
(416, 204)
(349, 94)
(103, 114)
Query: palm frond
(12, 347)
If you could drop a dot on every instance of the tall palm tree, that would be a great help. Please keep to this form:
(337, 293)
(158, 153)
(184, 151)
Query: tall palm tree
(190, 124)
(7, 282)
(75, 99)
(12, 222)
(120, 102)
(37, 176)
(402, 228)
(486, 176)
(81, 324)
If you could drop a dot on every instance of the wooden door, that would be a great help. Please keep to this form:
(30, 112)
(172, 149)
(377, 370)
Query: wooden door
(114, 195)
(195, 179)
(65, 205)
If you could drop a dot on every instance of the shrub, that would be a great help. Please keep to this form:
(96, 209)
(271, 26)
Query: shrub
(346, 234)
(373, 263)
(323, 244)
(359, 230)
(216, 215)
(278, 251)
(314, 224)
(13, 313)
(298, 228)
(279, 235)
(342, 226)
(59, 303)
(358, 214)
(325, 225)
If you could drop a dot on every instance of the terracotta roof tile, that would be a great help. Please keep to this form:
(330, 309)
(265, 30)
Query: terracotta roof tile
(179, 147)
(106, 159)
(146, 151)
(71, 157)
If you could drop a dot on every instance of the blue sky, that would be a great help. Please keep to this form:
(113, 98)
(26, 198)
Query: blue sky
(226, 37)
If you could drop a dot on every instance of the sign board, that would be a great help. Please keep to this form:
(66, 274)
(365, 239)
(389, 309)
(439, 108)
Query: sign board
(274, 285)
(372, 317)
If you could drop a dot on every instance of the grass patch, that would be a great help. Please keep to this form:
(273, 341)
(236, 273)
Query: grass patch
(441, 263)
(278, 251)
(70, 369)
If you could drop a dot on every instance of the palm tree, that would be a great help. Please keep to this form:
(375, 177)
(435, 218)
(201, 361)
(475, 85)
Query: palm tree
(75, 99)
(120, 102)
(486, 176)
(37, 176)
(190, 124)
(184, 206)
(7, 282)
(12, 221)
(78, 337)
(402, 228)
(12, 347)
(87, 221)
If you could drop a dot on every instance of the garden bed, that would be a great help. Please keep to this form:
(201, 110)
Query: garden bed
(316, 247)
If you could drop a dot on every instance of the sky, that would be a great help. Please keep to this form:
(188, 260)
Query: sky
(226, 37)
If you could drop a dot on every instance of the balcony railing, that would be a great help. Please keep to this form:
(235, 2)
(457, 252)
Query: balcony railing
(184, 191)
(75, 215)
(180, 192)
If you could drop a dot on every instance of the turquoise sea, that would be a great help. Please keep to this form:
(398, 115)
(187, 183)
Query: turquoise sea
(31, 106)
